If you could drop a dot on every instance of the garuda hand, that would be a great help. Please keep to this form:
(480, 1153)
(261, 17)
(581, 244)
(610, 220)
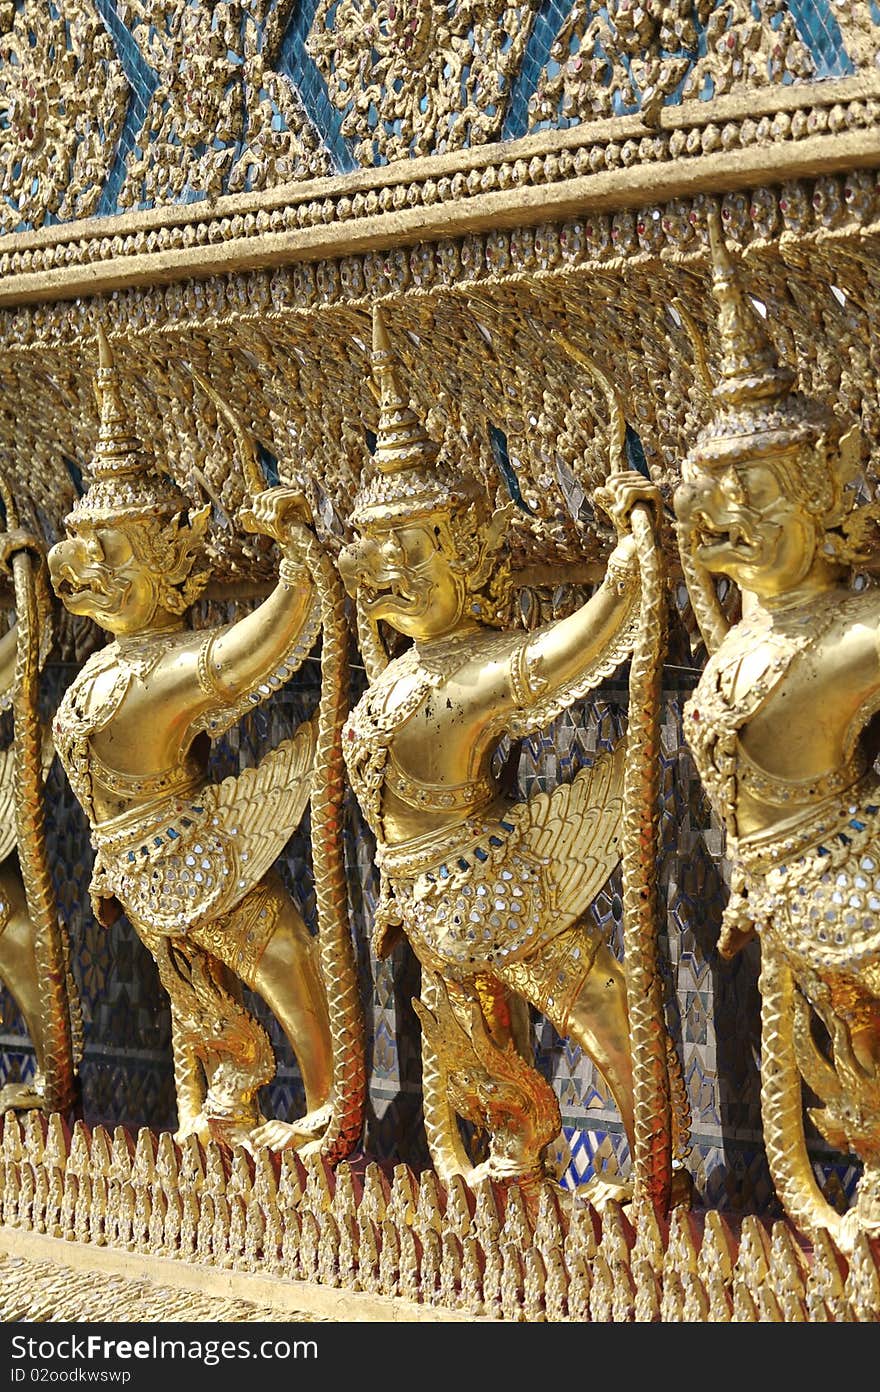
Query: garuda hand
(623, 492)
(280, 513)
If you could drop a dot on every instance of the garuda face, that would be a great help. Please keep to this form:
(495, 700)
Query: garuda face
(408, 573)
(747, 523)
(98, 572)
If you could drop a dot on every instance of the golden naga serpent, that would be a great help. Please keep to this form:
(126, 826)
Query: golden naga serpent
(50, 950)
(348, 1094)
(661, 1111)
(782, 1110)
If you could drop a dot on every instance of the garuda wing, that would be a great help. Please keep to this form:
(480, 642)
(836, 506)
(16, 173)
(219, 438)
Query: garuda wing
(575, 832)
(8, 830)
(262, 807)
(197, 862)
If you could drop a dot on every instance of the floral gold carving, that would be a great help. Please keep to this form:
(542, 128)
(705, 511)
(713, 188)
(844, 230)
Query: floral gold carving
(636, 57)
(415, 76)
(63, 96)
(216, 82)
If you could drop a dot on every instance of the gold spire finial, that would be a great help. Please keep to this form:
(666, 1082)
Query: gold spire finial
(749, 366)
(381, 343)
(758, 414)
(122, 477)
(105, 352)
(401, 440)
(118, 449)
(409, 479)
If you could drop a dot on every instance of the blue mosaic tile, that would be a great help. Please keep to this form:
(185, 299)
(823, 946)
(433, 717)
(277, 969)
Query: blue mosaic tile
(546, 25)
(819, 31)
(143, 82)
(299, 67)
(592, 1153)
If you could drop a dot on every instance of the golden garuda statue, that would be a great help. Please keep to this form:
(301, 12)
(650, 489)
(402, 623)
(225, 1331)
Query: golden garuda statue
(190, 861)
(34, 950)
(493, 895)
(779, 726)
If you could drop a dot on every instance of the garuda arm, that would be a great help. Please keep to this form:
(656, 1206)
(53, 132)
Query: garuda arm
(240, 665)
(561, 662)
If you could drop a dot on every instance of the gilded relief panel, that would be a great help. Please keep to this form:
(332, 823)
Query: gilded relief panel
(57, 148)
(419, 78)
(621, 58)
(139, 105)
(552, 306)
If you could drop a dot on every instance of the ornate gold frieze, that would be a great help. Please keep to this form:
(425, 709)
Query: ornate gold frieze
(479, 301)
(622, 163)
(518, 281)
(64, 96)
(417, 76)
(859, 30)
(213, 81)
(160, 103)
(352, 1244)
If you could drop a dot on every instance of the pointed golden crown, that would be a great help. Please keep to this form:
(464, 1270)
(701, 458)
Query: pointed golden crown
(409, 480)
(759, 414)
(123, 481)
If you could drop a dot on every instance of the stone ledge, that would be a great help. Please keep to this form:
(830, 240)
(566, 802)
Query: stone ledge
(45, 1277)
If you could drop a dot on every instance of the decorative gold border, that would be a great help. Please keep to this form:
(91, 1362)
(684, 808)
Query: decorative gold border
(809, 213)
(773, 135)
(360, 1246)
